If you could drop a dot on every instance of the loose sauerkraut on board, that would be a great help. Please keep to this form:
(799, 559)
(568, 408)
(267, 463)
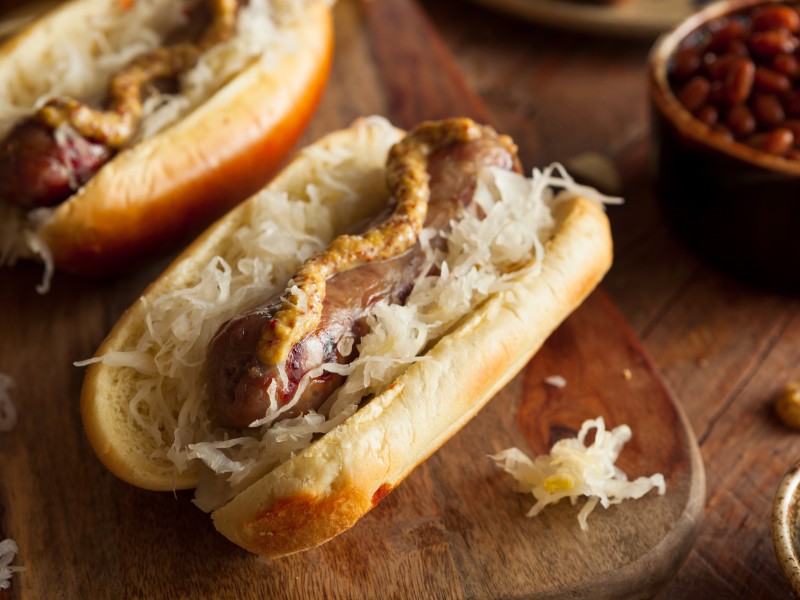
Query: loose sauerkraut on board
(574, 470)
(8, 551)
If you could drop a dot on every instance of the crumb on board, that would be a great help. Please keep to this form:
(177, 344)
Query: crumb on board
(556, 381)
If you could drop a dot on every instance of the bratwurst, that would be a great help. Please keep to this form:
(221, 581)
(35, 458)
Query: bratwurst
(436, 163)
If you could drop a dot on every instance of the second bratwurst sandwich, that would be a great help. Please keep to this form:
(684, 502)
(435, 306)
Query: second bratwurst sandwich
(128, 126)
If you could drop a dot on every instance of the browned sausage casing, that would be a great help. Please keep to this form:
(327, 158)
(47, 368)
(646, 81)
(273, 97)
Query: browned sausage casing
(238, 382)
(37, 170)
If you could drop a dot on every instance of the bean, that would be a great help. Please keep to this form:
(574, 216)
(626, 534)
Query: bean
(727, 33)
(741, 121)
(776, 17)
(739, 48)
(717, 67)
(767, 80)
(687, 62)
(716, 93)
(707, 114)
(739, 81)
(786, 64)
(768, 110)
(694, 94)
(773, 42)
(778, 141)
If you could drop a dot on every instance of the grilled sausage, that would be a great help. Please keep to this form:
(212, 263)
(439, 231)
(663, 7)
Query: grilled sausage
(238, 382)
(37, 169)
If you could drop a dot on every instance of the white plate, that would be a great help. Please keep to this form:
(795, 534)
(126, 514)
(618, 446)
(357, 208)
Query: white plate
(631, 18)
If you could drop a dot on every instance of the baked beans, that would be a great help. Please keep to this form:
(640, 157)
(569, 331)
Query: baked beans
(740, 76)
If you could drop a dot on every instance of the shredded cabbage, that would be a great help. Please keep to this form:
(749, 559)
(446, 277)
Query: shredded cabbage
(573, 469)
(8, 550)
(482, 256)
(18, 239)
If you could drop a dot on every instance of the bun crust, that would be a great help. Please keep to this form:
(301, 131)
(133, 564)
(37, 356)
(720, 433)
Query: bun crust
(165, 188)
(324, 489)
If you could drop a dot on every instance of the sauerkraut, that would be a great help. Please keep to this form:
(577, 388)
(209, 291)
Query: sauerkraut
(574, 470)
(481, 257)
(8, 550)
(18, 240)
(79, 65)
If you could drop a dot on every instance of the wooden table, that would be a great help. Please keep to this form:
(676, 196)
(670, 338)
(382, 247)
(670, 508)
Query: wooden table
(723, 348)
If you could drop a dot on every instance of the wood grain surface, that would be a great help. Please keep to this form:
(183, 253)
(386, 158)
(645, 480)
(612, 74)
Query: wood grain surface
(724, 349)
(454, 529)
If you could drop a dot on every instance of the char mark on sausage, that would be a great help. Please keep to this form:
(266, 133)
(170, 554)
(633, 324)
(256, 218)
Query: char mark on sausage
(239, 384)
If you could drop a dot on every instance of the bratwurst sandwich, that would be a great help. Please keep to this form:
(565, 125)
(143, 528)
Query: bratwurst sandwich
(322, 339)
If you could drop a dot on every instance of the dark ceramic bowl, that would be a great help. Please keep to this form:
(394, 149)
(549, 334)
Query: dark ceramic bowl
(737, 207)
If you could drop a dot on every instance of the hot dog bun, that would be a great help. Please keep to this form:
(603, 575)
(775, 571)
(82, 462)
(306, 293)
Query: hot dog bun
(323, 489)
(168, 185)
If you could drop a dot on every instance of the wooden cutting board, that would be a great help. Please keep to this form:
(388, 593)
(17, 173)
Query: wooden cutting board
(453, 529)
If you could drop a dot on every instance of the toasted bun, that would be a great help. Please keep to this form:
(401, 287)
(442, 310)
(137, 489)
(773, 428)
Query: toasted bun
(169, 185)
(325, 488)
